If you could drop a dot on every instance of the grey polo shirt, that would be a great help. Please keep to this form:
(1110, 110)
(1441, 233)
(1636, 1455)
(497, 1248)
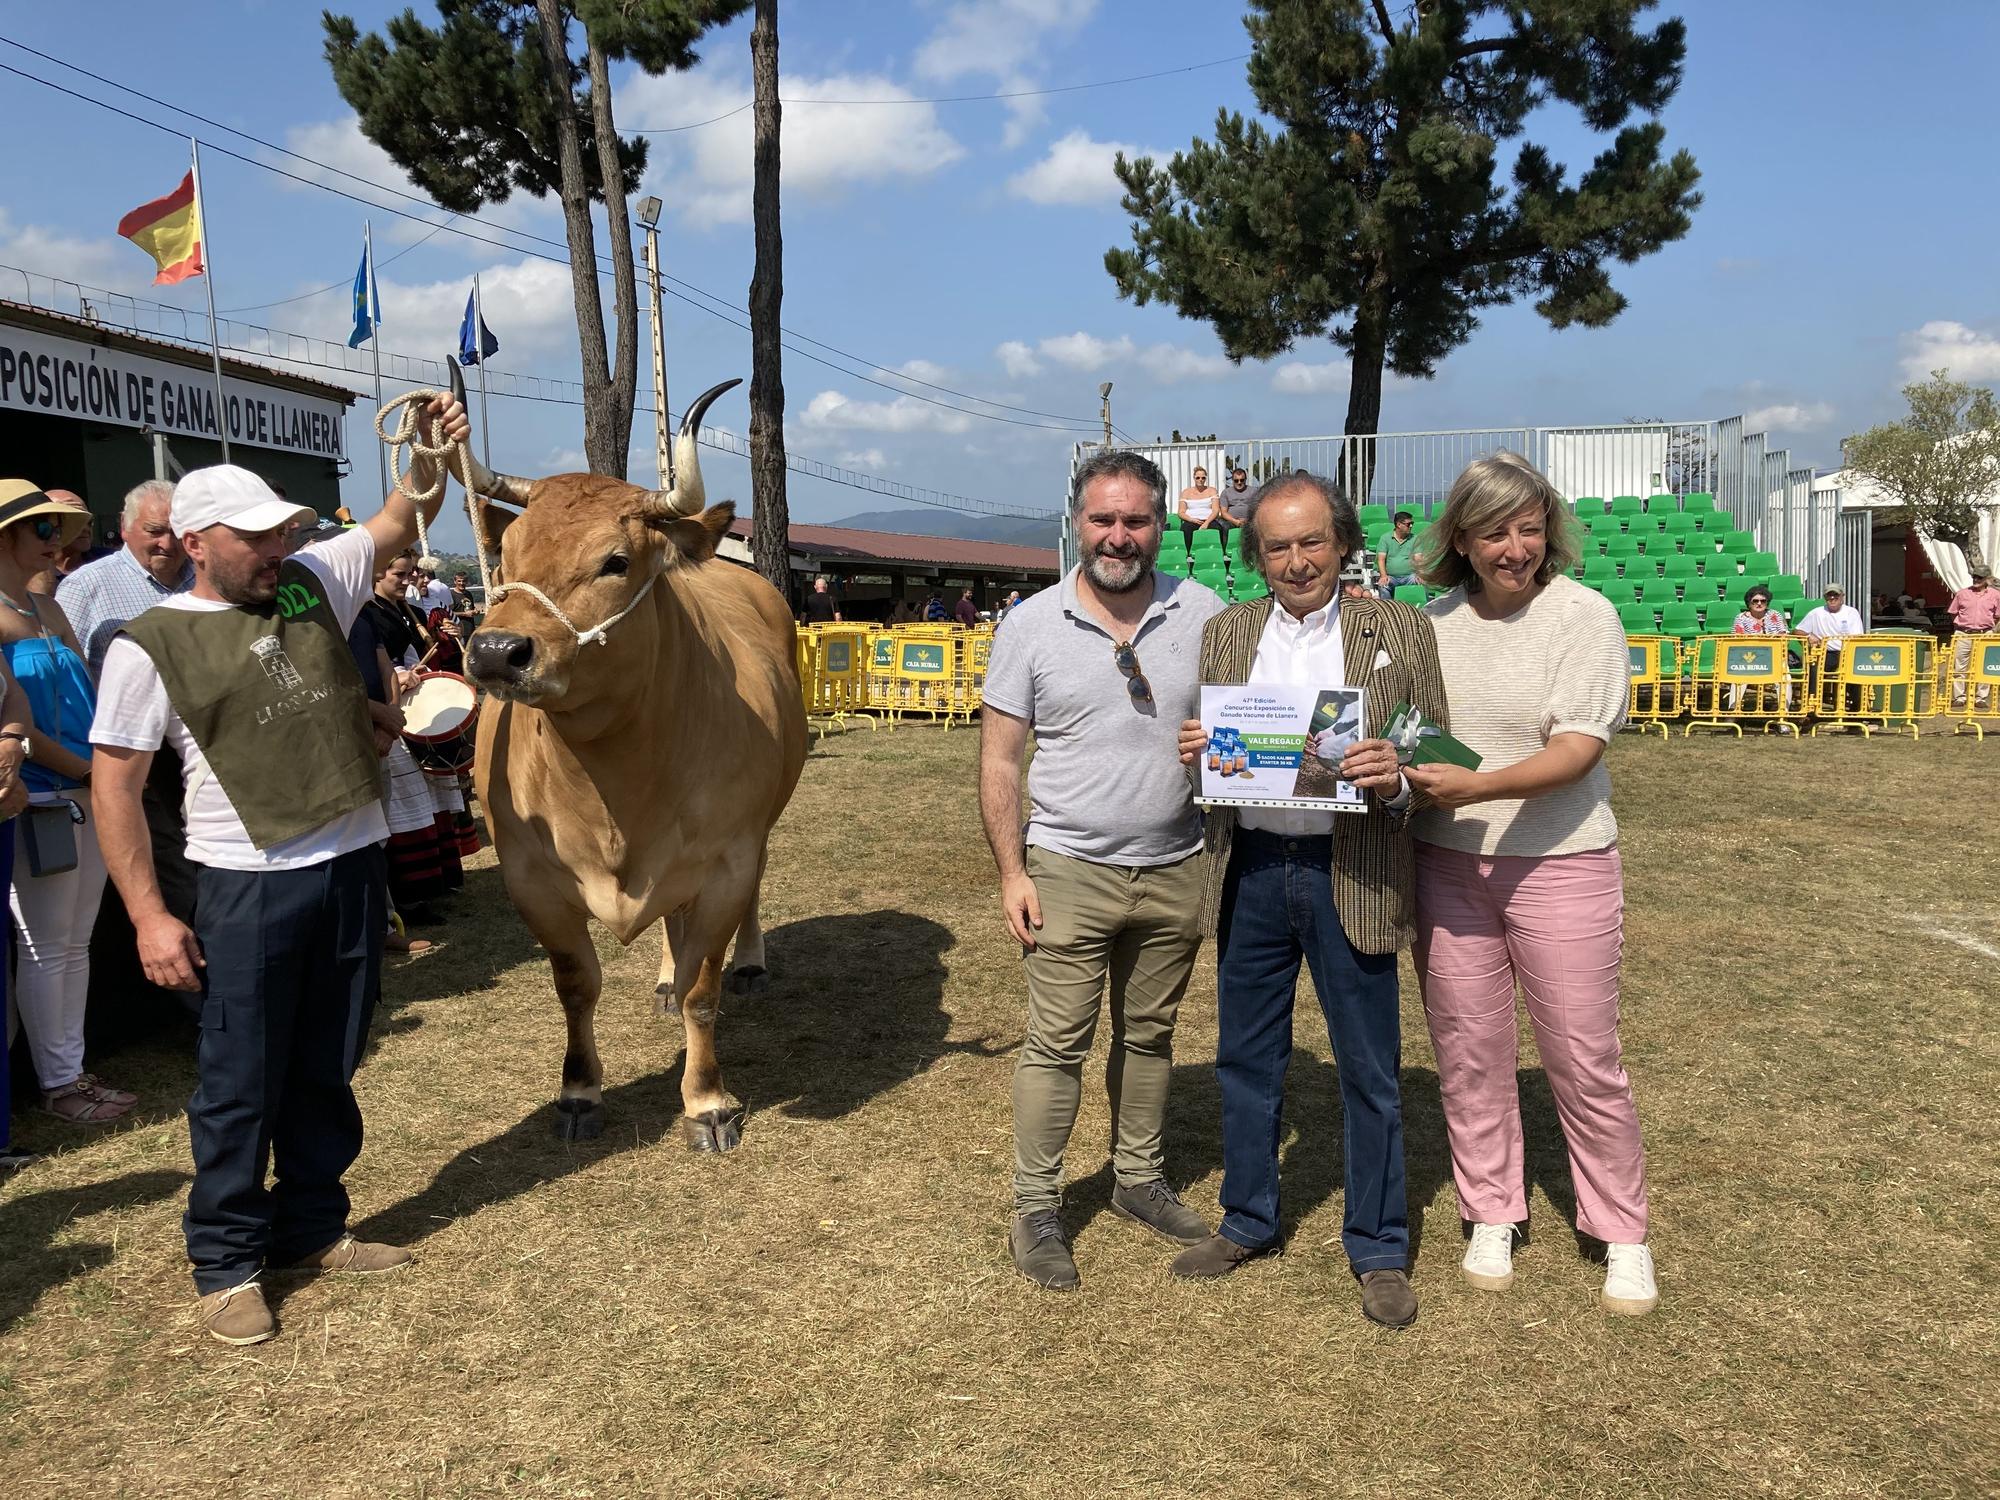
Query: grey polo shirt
(1106, 783)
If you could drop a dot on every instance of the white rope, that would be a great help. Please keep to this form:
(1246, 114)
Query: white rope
(405, 436)
(593, 636)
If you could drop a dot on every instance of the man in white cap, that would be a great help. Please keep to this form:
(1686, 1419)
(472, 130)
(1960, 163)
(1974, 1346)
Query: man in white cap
(248, 677)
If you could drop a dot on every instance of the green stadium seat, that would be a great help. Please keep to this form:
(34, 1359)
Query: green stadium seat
(1373, 511)
(1679, 525)
(1637, 619)
(1412, 594)
(1206, 540)
(1741, 543)
(1659, 592)
(1174, 563)
(1685, 571)
(1249, 586)
(1588, 506)
(1679, 619)
(1627, 506)
(1761, 565)
(1600, 524)
(1660, 505)
(1697, 503)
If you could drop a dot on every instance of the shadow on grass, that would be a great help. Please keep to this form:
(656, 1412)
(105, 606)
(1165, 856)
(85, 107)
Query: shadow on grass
(855, 1007)
(37, 1265)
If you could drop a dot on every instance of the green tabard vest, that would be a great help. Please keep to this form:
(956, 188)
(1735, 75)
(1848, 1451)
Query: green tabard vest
(272, 697)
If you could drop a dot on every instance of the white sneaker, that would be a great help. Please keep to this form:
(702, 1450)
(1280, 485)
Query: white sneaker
(1489, 1259)
(1629, 1287)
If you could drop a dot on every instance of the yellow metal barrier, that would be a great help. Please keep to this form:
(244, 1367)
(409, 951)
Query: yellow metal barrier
(1739, 679)
(1877, 682)
(838, 688)
(929, 668)
(1654, 695)
(1971, 682)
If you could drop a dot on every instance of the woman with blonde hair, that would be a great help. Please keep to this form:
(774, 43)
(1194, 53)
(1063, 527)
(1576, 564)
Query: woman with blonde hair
(1518, 874)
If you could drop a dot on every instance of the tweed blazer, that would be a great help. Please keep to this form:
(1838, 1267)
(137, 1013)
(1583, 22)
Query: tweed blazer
(1374, 868)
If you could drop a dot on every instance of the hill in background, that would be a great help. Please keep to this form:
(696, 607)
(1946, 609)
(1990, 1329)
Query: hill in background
(952, 523)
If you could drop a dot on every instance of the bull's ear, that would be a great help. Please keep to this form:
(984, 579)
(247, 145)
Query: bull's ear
(495, 516)
(696, 537)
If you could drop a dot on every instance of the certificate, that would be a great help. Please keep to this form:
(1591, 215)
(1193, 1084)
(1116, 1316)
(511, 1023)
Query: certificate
(1274, 745)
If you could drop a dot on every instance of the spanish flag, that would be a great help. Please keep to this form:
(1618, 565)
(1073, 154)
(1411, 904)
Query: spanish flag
(169, 230)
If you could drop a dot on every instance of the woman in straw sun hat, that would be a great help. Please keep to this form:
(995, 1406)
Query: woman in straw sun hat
(54, 911)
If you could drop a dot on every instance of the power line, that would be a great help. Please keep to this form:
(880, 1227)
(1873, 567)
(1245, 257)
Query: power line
(1067, 88)
(338, 286)
(1075, 421)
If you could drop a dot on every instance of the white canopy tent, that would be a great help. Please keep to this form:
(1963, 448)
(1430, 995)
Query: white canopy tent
(1947, 559)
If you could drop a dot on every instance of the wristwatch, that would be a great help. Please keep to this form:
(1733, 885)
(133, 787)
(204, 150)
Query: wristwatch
(27, 747)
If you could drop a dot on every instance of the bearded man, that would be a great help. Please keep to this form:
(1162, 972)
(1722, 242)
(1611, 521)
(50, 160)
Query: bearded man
(1103, 883)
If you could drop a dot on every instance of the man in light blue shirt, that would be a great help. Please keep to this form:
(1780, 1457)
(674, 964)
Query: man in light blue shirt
(100, 597)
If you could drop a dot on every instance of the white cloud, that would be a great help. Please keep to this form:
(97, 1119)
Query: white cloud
(1017, 359)
(1944, 345)
(1170, 364)
(705, 175)
(1076, 170)
(1301, 379)
(112, 263)
(1003, 40)
(1789, 416)
(835, 410)
(1084, 351)
(924, 369)
(528, 304)
(862, 458)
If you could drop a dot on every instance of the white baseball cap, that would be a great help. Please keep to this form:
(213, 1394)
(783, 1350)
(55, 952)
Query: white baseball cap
(224, 495)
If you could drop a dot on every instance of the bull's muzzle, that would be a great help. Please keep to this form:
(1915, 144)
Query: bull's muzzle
(499, 658)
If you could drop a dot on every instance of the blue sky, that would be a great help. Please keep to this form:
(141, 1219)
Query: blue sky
(1846, 242)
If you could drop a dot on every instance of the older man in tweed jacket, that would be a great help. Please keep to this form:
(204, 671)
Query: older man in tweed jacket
(1334, 890)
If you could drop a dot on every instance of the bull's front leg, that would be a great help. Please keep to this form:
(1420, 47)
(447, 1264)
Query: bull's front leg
(713, 1116)
(579, 979)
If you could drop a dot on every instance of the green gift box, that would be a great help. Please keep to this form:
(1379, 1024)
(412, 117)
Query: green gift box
(1419, 743)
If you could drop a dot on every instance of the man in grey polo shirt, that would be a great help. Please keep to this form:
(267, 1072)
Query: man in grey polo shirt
(1105, 881)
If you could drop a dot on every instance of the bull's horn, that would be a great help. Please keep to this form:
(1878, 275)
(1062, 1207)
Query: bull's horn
(688, 496)
(508, 487)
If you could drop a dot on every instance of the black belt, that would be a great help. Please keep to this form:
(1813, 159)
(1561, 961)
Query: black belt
(1313, 846)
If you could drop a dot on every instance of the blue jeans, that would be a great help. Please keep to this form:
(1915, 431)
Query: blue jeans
(1391, 581)
(1277, 908)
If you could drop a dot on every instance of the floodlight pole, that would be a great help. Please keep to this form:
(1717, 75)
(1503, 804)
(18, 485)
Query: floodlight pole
(649, 217)
(1104, 396)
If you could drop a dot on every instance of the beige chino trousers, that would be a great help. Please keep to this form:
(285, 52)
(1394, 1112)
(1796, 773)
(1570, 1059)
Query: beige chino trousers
(1135, 931)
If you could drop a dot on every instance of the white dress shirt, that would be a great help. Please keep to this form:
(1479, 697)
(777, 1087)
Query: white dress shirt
(1301, 653)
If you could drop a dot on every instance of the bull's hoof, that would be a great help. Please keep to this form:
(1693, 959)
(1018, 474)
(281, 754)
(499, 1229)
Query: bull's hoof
(752, 979)
(714, 1130)
(579, 1120)
(666, 1002)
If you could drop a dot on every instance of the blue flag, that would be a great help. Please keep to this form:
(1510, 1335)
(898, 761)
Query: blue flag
(367, 304)
(469, 352)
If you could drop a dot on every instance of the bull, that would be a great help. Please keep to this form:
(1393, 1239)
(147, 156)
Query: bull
(643, 732)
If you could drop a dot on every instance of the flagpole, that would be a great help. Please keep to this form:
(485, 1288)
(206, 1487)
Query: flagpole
(208, 282)
(374, 344)
(479, 343)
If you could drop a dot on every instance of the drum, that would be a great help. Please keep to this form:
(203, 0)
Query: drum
(438, 719)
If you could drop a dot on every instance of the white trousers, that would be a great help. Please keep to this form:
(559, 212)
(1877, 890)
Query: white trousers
(53, 917)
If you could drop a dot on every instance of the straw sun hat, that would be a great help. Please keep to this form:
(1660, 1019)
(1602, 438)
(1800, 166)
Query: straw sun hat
(20, 500)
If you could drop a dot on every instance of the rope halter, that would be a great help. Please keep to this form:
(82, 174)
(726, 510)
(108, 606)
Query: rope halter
(595, 636)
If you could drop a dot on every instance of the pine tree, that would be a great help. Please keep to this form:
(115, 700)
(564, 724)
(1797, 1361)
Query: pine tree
(1371, 214)
(495, 99)
(770, 512)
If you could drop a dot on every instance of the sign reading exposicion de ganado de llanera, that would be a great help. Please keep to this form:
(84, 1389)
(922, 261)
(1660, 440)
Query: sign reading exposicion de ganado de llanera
(70, 378)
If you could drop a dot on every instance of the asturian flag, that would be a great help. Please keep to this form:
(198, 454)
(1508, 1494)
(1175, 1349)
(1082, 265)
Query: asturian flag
(367, 302)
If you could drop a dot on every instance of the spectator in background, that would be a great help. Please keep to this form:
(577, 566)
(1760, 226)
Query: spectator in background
(934, 610)
(1236, 498)
(1757, 617)
(821, 607)
(415, 848)
(1974, 611)
(100, 597)
(72, 555)
(464, 608)
(1396, 561)
(425, 592)
(905, 613)
(13, 798)
(1199, 505)
(967, 612)
(1007, 605)
(55, 910)
(1827, 624)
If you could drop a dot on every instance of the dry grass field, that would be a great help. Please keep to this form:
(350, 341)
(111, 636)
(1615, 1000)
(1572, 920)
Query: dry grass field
(1809, 1019)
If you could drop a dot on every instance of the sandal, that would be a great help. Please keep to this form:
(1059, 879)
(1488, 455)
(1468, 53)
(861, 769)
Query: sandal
(14, 1158)
(109, 1094)
(80, 1103)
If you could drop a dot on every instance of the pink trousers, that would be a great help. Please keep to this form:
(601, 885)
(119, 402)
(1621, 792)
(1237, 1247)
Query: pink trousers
(1555, 926)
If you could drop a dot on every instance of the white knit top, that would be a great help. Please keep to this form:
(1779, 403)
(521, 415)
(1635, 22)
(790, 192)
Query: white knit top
(1558, 665)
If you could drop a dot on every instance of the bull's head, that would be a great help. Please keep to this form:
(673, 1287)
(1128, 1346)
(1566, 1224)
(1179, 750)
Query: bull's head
(577, 553)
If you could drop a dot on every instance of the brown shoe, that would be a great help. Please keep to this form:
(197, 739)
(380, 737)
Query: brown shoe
(349, 1254)
(1215, 1256)
(1386, 1298)
(238, 1315)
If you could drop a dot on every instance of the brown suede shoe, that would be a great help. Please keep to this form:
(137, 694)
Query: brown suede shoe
(238, 1315)
(1386, 1298)
(349, 1254)
(1215, 1256)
